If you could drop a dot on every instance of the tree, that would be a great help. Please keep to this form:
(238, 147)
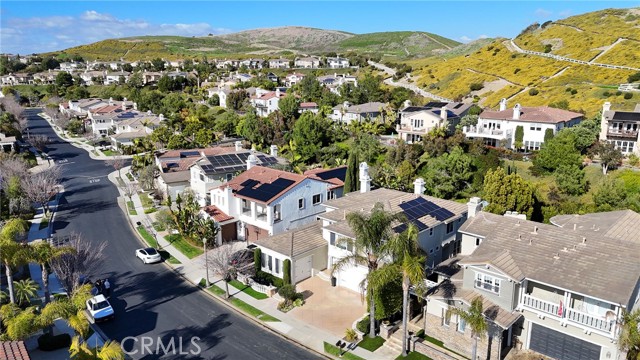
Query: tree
(548, 135)
(236, 99)
(219, 260)
(135, 80)
(80, 350)
(629, 338)
(40, 187)
(508, 193)
(165, 84)
(19, 324)
(12, 254)
(286, 271)
(475, 320)
(351, 179)
(84, 261)
(571, 179)
(147, 177)
(610, 195)
(25, 290)
(39, 142)
(117, 162)
(610, 156)
(410, 264)
(43, 253)
(289, 106)
(561, 150)
(372, 230)
(158, 64)
(518, 144)
(449, 174)
(309, 135)
(64, 80)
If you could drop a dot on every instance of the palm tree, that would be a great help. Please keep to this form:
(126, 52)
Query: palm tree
(475, 319)
(629, 338)
(70, 309)
(25, 290)
(372, 231)
(80, 350)
(12, 254)
(408, 262)
(43, 253)
(19, 323)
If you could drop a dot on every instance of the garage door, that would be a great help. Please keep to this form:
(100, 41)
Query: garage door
(303, 268)
(560, 346)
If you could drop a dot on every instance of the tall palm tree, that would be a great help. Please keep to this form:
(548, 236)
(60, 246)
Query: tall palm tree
(407, 261)
(25, 290)
(43, 253)
(70, 309)
(80, 350)
(475, 319)
(629, 338)
(19, 323)
(12, 253)
(372, 231)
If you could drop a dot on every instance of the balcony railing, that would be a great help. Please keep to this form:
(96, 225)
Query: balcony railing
(262, 216)
(593, 321)
(630, 134)
(479, 130)
(246, 211)
(541, 305)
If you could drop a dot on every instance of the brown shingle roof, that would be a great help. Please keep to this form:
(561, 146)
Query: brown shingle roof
(586, 262)
(305, 239)
(217, 214)
(620, 224)
(13, 350)
(541, 114)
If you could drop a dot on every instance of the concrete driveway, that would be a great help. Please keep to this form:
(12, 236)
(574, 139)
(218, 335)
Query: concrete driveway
(333, 309)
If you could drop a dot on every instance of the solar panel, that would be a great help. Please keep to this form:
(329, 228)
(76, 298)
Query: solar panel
(189, 153)
(420, 207)
(434, 104)
(249, 183)
(265, 192)
(340, 173)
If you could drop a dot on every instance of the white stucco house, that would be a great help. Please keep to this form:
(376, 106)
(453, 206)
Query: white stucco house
(415, 122)
(266, 102)
(337, 63)
(346, 113)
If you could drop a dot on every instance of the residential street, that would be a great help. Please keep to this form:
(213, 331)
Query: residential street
(149, 300)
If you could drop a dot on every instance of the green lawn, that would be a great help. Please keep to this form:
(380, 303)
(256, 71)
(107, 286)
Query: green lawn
(183, 246)
(110, 153)
(241, 304)
(132, 208)
(335, 351)
(248, 290)
(130, 177)
(414, 355)
(371, 344)
(44, 223)
(146, 200)
(154, 244)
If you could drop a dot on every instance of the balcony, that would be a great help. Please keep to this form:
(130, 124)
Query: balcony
(543, 306)
(262, 216)
(410, 128)
(592, 321)
(479, 131)
(622, 134)
(246, 211)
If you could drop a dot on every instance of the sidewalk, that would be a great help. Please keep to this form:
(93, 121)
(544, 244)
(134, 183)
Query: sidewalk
(194, 271)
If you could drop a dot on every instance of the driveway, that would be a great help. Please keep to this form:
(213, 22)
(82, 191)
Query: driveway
(333, 309)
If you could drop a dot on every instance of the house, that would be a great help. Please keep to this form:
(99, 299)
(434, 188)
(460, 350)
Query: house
(293, 79)
(307, 63)
(417, 121)
(137, 127)
(46, 77)
(266, 201)
(498, 128)
(272, 77)
(92, 77)
(17, 79)
(222, 92)
(621, 128)
(334, 176)
(151, 77)
(337, 63)
(175, 173)
(308, 106)
(14, 350)
(69, 66)
(266, 102)
(7, 143)
(558, 290)
(335, 81)
(114, 77)
(220, 164)
(279, 63)
(437, 221)
(252, 63)
(242, 77)
(346, 113)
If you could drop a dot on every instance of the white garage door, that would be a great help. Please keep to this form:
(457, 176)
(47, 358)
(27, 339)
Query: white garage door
(303, 268)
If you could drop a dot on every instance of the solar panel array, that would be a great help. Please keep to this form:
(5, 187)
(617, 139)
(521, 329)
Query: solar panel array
(420, 207)
(233, 162)
(340, 173)
(264, 192)
(435, 104)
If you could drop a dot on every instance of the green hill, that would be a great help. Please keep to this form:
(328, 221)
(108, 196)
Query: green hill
(398, 44)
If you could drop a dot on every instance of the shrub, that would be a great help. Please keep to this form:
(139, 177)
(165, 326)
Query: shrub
(517, 70)
(257, 260)
(268, 279)
(48, 342)
(574, 91)
(286, 269)
(618, 93)
(634, 160)
(533, 92)
(298, 302)
(288, 292)
(350, 335)
(568, 89)
(547, 48)
(363, 325)
(628, 96)
(476, 86)
(606, 94)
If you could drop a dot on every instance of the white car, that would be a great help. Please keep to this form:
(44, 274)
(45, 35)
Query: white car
(148, 255)
(99, 308)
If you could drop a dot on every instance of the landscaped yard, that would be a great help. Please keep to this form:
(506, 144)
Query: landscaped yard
(132, 208)
(371, 344)
(110, 153)
(248, 290)
(435, 341)
(44, 223)
(154, 244)
(414, 356)
(147, 203)
(183, 246)
(241, 304)
(336, 351)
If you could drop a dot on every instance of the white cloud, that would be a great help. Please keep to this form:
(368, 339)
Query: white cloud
(42, 34)
(565, 13)
(540, 12)
(466, 39)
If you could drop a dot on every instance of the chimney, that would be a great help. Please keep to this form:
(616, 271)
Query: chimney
(516, 112)
(406, 104)
(474, 206)
(535, 230)
(365, 180)
(278, 92)
(135, 106)
(251, 161)
(110, 101)
(273, 150)
(238, 145)
(161, 117)
(606, 106)
(418, 186)
(503, 104)
(443, 113)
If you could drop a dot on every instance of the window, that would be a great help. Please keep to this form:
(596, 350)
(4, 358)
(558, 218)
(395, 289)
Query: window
(301, 203)
(201, 177)
(332, 238)
(269, 263)
(330, 195)
(437, 248)
(277, 215)
(478, 241)
(229, 176)
(450, 228)
(457, 247)
(316, 199)
(431, 232)
(461, 324)
(277, 266)
(446, 317)
(487, 282)
(263, 260)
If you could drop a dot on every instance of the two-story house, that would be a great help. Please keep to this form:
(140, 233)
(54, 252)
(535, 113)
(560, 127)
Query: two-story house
(115, 77)
(346, 113)
(252, 63)
(437, 221)
(337, 63)
(415, 122)
(335, 81)
(127, 130)
(621, 128)
(279, 63)
(499, 128)
(293, 79)
(307, 62)
(266, 102)
(556, 290)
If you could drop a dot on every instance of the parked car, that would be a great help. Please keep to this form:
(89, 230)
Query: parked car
(241, 258)
(99, 308)
(148, 255)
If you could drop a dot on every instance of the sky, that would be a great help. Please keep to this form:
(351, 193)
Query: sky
(42, 26)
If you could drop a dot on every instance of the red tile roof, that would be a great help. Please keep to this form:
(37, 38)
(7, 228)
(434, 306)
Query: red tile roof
(106, 109)
(308, 105)
(264, 175)
(217, 214)
(542, 114)
(13, 350)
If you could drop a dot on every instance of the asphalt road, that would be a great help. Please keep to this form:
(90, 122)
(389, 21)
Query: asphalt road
(150, 301)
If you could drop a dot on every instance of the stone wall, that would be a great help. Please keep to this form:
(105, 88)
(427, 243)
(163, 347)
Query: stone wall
(459, 342)
(433, 351)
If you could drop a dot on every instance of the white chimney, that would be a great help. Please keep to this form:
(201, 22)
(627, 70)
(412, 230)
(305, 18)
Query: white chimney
(251, 161)
(277, 92)
(406, 104)
(135, 106)
(110, 101)
(418, 186)
(273, 150)
(365, 180)
(503, 104)
(443, 113)
(606, 107)
(474, 206)
(516, 112)
(161, 117)
(238, 145)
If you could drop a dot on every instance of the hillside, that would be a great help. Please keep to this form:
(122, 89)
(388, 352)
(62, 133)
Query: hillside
(267, 42)
(505, 73)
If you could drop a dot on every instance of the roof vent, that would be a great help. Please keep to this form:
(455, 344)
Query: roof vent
(556, 256)
(518, 223)
(519, 237)
(535, 229)
(530, 241)
(575, 226)
(584, 240)
(575, 247)
(565, 249)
